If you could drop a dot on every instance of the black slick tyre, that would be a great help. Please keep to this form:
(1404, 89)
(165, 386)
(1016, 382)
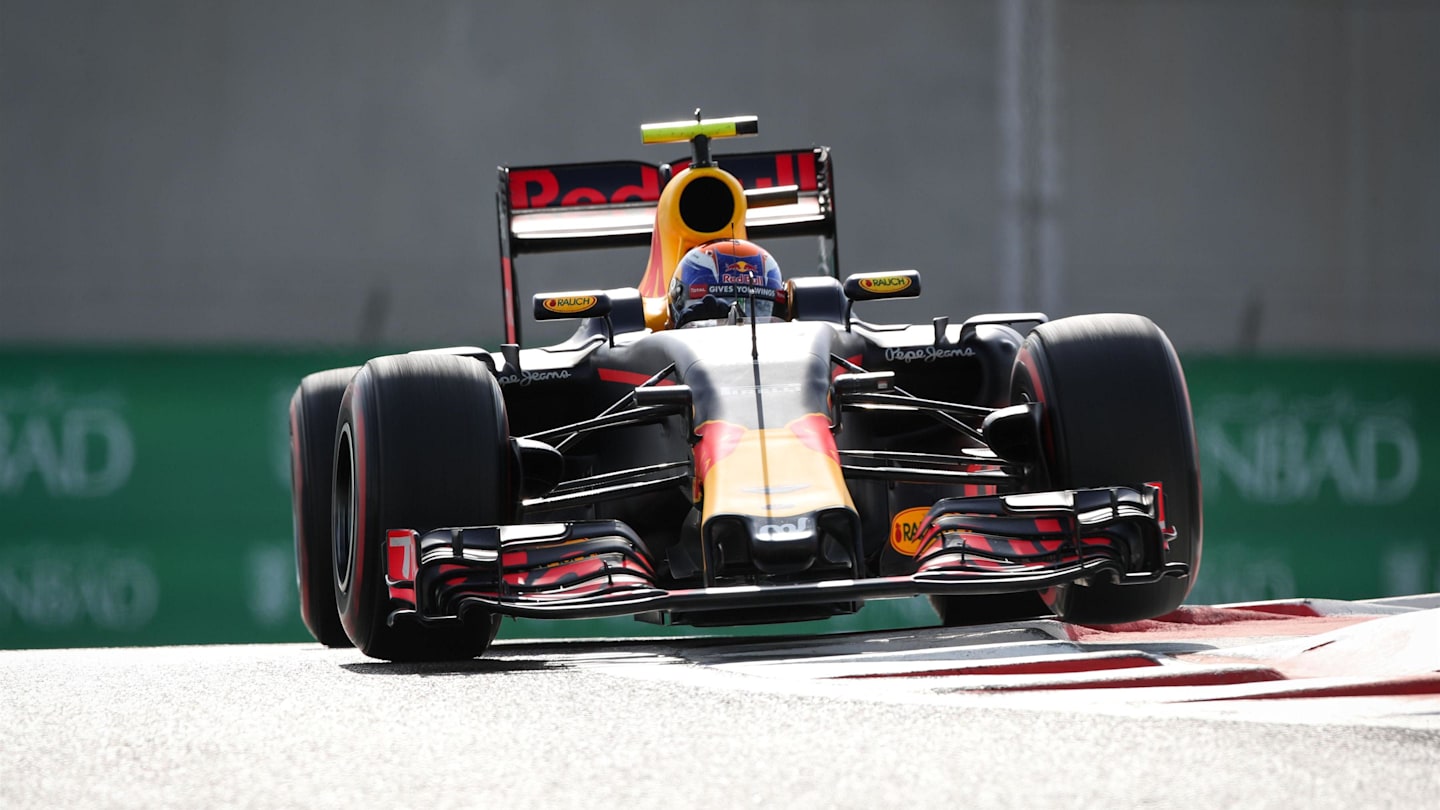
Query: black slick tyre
(1117, 413)
(314, 411)
(423, 442)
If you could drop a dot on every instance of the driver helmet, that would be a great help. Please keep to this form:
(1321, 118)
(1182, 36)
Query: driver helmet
(720, 276)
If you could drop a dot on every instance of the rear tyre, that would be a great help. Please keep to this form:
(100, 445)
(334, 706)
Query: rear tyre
(422, 443)
(314, 411)
(1117, 413)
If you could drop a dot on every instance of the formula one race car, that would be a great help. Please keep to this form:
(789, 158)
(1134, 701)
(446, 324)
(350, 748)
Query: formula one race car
(721, 447)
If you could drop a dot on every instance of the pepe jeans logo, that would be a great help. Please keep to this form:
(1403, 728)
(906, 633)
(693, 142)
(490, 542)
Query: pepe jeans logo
(1278, 449)
(73, 445)
(926, 354)
(569, 304)
(525, 378)
(884, 285)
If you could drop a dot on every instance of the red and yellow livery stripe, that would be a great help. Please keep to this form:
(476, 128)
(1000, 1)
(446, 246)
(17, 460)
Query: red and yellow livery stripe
(770, 473)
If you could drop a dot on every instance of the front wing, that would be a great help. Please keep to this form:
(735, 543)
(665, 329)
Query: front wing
(599, 568)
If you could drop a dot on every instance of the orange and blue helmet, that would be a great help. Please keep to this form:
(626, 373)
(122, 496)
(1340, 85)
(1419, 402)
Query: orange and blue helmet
(722, 275)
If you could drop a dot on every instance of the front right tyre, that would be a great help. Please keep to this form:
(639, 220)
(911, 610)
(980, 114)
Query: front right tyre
(1117, 413)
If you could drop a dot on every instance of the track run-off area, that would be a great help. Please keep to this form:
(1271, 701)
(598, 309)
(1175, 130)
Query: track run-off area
(1303, 703)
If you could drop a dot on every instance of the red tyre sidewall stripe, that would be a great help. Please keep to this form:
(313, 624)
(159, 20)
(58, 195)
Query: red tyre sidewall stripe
(354, 600)
(1032, 370)
(361, 529)
(297, 496)
(1028, 362)
(297, 499)
(1025, 360)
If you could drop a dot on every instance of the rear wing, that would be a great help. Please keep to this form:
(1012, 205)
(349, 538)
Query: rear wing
(579, 206)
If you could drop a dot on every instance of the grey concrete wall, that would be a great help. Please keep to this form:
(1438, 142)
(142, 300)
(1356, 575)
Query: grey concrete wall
(1257, 174)
(1251, 175)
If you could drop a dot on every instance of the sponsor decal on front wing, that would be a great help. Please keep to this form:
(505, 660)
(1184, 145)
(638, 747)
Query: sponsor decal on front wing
(905, 530)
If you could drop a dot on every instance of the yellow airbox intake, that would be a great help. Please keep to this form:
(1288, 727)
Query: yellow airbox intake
(697, 206)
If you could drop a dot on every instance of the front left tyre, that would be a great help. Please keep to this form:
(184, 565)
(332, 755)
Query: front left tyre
(422, 443)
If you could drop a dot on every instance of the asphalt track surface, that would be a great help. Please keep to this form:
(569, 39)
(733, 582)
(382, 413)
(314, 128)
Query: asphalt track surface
(1252, 712)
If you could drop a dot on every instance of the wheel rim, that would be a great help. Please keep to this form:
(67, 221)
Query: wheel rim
(345, 506)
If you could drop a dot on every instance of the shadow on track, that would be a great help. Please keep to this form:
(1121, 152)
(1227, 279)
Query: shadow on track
(478, 666)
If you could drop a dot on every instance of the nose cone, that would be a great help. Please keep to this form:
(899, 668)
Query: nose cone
(764, 488)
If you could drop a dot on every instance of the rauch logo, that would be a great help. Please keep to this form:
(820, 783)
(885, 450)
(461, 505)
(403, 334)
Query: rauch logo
(885, 284)
(572, 304)
(905, 530)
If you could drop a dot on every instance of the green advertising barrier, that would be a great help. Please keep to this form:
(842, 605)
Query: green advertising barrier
(145, 494)
(143, 497)
(1318, 475)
